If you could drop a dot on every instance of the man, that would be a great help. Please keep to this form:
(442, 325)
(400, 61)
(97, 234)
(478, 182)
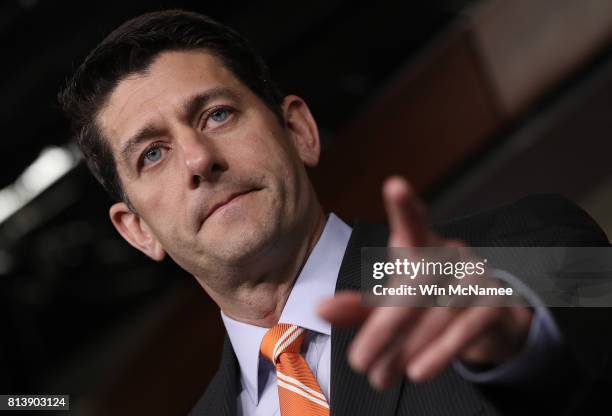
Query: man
(181, 123)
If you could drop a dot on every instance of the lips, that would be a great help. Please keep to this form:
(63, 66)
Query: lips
(225, 201)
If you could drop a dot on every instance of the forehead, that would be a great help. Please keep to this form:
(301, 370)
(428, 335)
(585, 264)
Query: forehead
(152, 96)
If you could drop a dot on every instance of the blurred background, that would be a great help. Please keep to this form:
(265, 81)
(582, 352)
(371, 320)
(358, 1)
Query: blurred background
(478, 103)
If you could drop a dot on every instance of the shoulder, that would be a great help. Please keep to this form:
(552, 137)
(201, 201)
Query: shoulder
(221, 393)
(212, 394)
(543, 219)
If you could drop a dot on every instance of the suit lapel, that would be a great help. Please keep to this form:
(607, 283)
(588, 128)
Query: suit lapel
(229, 381)
(221, 395)
(351, 393)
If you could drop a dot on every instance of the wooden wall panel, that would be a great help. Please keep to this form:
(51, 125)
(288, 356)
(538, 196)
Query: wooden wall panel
(528, 46)
(436, 113)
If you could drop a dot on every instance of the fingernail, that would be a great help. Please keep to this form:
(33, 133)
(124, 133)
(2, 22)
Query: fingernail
(377, 383)
(356, 360)
(355, 364)
(381, 379)
(415, 373)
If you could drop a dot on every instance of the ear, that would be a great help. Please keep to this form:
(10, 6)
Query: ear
(136, 231)
(303, 128)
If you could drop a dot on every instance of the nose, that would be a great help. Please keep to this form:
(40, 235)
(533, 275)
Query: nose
(202, 159)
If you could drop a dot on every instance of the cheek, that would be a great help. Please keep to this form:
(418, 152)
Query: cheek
(155, 194)
(161, 205)
(271, 149)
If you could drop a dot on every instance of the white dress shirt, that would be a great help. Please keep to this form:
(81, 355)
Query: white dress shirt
(317, 281)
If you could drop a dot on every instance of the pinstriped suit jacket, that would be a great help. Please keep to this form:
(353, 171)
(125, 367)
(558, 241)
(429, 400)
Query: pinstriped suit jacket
(571, 386)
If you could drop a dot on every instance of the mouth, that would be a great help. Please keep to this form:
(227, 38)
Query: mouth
(227, 201)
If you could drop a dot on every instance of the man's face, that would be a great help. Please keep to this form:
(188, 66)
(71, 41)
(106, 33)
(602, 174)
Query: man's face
(215, 180)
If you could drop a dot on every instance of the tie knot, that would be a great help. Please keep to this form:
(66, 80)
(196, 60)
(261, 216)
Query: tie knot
(282, 338)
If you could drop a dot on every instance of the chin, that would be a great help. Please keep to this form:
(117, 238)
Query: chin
(241, 240)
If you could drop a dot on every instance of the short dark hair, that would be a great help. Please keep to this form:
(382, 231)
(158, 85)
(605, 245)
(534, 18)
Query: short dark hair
(132, 48)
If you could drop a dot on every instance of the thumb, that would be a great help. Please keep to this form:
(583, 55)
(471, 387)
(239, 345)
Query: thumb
(344, 309)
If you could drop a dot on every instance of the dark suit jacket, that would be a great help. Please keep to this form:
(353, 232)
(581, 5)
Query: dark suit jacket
(574, 377)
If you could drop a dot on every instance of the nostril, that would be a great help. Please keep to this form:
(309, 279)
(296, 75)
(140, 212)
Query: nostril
(208, 173)
(196, 180)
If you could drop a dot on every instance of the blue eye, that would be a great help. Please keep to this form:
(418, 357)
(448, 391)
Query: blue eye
(219, 116)
(153, 154)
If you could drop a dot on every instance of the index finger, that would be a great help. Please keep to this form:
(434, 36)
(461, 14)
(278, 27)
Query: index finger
(405, 213)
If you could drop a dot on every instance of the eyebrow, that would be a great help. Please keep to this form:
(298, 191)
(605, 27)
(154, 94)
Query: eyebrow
(189, 109)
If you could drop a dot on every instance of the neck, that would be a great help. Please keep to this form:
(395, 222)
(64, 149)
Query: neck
(260, 301)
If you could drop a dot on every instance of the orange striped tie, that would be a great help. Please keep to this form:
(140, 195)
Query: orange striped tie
(298, 390)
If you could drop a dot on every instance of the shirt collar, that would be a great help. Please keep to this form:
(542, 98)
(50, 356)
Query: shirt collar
(316, 281)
